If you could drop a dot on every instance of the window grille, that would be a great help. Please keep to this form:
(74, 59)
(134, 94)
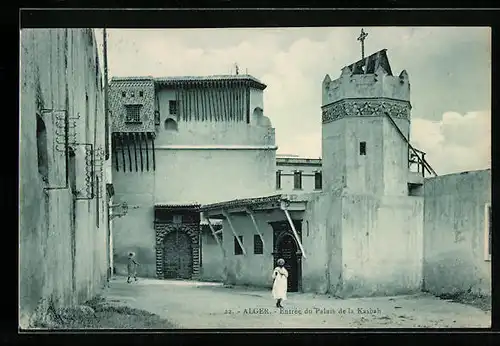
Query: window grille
(133, 114)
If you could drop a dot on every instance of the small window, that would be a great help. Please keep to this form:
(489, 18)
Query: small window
(362, 148)
(133, 114)
(237, 248)
(487, 240)
(172, 106)
(124, 94)
(132, 94)
(258, 246)
(318, 181)
(157, 118)
(141, 93)
(278, 180)
(41, 146)
(177, 219)
(297, 180)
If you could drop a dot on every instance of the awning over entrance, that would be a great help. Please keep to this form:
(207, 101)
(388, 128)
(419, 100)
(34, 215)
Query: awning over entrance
(249, 206)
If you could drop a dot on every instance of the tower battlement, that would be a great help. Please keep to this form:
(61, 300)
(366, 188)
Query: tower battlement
(363, 151)
(370, 77)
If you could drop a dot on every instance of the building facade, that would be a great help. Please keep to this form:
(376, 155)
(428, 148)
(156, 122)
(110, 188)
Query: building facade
(335, 240)
(63, 215)
(298, 175)
(183, 141)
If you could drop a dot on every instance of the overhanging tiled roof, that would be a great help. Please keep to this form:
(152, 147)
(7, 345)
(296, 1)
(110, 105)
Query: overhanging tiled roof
(178, 80)
(178, 206)
(245, 202)
(213, 222)
(255, 202)
(184, 80)
(132, 79)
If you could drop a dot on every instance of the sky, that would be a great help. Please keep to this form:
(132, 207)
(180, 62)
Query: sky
(449, 71)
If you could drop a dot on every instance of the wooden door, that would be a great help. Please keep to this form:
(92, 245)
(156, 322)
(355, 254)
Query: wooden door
(185, 253)
(177, 256)
(287, 249)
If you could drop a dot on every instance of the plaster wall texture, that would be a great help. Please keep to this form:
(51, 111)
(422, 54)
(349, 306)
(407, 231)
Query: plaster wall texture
(134, 232)
(212, 268)
(382, 245)
(209, 176)
(321, 236)
(63, 255)
(455, 233)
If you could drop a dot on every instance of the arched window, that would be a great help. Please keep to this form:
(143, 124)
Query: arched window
(260, 119)
(257, 112)
(41, 146)
(171, 125)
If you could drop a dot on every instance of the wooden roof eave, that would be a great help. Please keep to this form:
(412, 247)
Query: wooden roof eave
(218, 212)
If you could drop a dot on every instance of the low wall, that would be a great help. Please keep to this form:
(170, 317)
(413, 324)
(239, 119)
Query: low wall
(455, 258)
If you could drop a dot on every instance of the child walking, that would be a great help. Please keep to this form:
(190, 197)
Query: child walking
(132, 267)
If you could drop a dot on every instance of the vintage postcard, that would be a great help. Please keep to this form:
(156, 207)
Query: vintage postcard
(326, 177)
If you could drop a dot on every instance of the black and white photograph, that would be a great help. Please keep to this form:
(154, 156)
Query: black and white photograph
(273, 177)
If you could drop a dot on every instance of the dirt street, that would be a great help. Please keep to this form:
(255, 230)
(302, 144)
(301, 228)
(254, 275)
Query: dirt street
(190, 304)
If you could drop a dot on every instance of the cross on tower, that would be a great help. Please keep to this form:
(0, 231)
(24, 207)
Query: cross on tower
(362, 38)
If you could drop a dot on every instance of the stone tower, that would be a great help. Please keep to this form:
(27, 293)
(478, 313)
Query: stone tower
(365, 151)
(375, 216)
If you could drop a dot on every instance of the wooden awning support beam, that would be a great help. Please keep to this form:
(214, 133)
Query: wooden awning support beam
(226, 215)
(215, 236)
(252, 216)
(287, 214)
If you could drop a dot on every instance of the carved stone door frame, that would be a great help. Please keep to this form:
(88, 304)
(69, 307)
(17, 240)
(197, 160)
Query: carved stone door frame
(193, 230)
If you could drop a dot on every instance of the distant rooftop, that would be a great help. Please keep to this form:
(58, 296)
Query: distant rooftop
(175, 80)
(297, 161)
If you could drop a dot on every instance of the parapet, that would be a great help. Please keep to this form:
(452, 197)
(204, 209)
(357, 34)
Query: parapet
(367, 78)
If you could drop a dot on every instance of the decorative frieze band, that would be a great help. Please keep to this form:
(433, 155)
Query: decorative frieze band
(366, 107)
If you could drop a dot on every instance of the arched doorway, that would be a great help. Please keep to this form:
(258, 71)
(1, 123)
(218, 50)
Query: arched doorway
(287, 249)
(170, 125)
(177, 255)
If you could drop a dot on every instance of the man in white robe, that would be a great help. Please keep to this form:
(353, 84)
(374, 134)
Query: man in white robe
(280, 284)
